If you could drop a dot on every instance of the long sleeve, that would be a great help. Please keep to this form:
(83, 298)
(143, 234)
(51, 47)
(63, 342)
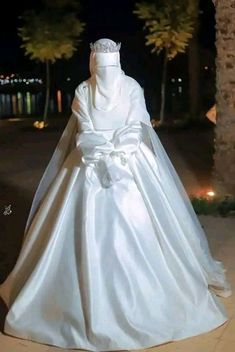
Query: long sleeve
(106, 155)
(103, 155)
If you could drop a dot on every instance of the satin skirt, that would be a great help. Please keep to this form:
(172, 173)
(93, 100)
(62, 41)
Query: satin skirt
(95, 272)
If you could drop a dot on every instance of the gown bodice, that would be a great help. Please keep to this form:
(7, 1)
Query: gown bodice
(109, 120)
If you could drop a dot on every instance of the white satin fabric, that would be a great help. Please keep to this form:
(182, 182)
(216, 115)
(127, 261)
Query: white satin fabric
(114, 258)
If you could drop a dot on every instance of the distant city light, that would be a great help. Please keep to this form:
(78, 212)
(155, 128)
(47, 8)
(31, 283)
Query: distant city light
(179, 79)
(14, 78)
(68, 79)
(172, 80)
(206, 67)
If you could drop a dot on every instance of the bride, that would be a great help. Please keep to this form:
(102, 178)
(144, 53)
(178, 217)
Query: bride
(113, 255)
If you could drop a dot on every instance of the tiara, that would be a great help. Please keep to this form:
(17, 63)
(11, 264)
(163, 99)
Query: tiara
(105, 47)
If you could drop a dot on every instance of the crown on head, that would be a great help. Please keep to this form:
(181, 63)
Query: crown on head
(105, 47)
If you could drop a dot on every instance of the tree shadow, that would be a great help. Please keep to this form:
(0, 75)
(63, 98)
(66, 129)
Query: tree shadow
(24, 153)
(195, 147)
(14, 205)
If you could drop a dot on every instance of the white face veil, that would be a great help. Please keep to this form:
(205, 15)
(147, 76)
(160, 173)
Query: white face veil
(106, 74)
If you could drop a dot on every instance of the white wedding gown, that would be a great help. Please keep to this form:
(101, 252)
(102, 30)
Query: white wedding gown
(114, 257)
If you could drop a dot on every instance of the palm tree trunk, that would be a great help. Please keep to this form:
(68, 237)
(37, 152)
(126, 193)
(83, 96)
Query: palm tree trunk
(46, 106)
(163, 89)
(224, 154)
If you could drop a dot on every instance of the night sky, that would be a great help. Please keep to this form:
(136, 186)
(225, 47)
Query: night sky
(113, 19)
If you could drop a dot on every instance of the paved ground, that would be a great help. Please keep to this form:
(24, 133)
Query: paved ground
(24, 154)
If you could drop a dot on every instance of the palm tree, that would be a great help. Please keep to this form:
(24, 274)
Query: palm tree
(224, 154)
(50, 35)
(170, 27)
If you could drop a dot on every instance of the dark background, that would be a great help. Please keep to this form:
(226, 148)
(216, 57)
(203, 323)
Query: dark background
(115, 20)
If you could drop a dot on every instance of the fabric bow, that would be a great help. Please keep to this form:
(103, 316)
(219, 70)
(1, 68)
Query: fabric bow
(103, 154)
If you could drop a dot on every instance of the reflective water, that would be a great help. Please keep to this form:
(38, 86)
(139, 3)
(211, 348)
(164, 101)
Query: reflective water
(27, 103)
